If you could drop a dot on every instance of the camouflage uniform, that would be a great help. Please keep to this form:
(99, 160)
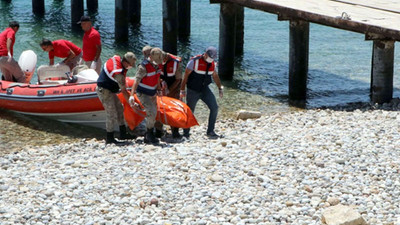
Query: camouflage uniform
(173, 93)
(148, 102)
(112, 105)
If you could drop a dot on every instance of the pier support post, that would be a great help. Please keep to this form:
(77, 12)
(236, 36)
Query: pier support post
(239, 30)
(184, 7)
(170, 26)
(38, 7)
(382, 71)
(121, 20)
(76, 12)
(298, 59)
(92, 5)
(227, 40)
(135, 7)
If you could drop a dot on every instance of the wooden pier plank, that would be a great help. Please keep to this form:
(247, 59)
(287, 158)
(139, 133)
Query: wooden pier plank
(334, 9)
(387, 5)
(372, 17)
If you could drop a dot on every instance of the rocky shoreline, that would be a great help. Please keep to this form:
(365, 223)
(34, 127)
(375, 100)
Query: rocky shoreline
(283, 168)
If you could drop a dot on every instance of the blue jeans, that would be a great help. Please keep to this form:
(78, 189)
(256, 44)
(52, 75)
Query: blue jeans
(206, 95)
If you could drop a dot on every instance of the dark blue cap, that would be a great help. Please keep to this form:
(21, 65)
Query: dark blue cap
(212, 52)
(83, 19)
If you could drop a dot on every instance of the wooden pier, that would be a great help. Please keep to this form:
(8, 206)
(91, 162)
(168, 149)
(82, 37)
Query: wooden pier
(377, 19)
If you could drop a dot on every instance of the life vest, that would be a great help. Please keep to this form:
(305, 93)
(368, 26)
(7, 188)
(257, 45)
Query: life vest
(112, 67)
(169, 69)
(200, 77)
(148, 84)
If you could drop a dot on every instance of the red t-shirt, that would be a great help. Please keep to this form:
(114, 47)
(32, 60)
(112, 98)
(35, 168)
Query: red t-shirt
(6, 34)
(61, 49)
(91, 39)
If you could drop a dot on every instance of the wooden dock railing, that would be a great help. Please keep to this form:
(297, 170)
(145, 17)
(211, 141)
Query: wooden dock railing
(379, 20)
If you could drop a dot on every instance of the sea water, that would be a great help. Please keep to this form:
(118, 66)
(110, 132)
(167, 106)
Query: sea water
(339, 61)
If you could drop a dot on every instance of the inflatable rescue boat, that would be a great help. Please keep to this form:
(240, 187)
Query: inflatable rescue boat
(57, 95)
(70, 98)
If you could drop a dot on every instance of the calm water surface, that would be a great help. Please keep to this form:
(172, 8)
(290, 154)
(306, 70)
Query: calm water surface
(339, 62)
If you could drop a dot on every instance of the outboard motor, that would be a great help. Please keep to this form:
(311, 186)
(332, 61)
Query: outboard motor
(87, 76)
(27, 61)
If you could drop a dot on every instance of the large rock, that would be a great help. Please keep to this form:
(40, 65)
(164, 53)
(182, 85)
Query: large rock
(244, 115)
(342, 215)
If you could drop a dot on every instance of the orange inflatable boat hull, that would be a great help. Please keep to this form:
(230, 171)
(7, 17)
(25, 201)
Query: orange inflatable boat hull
(69, 102)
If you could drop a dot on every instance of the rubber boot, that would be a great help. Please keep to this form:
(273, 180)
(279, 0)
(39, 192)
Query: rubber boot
(159, 133)
(149, 137)
(186, 133)
(175, 133)
(111, 140)
(123, 135)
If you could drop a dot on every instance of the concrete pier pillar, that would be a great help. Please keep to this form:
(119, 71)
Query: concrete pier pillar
(184, 7)
(135, 7)
(92, 5)
(170, 26)
(239, 31)
(298, 59)
(227, 40)
(76, 12)
(382, 71)
(121, 20)
(38, 7)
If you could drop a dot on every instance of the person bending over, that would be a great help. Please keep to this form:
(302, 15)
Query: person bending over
(62, 49)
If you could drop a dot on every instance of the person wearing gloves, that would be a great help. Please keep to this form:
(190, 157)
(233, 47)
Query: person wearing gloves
(9, 68)
(62, 49)
(91, 45)
(111, 81)
(147, 85)
(198, 75)
(171, 77)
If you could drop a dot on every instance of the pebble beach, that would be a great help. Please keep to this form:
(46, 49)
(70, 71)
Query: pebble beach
(282, 168)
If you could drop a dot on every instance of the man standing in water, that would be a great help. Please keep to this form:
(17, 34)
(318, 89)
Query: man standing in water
(198, 73)
(91, 45)
(110, 82)
(9, 67)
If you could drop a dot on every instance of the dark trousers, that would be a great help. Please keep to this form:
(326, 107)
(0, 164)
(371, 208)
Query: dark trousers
(206, 95)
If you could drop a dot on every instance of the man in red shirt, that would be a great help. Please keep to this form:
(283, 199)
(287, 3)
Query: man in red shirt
(91, 45)
(9, 67)
(62, 49)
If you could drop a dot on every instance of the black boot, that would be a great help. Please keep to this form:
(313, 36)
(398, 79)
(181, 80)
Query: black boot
(111, 140)
(159, 133)
(175, 132)
(150, 138)
(123, 135)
